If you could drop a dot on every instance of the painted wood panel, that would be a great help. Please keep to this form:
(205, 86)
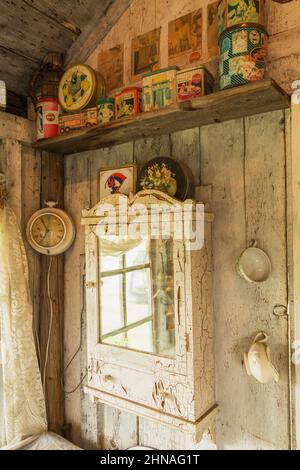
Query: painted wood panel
(248, 202)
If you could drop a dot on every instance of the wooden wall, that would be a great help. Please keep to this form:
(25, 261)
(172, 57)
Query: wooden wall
(244, 162)
(33, 178)
(283, 25)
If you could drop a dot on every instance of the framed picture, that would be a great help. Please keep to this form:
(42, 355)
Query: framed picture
(111, 65)
(185, 39)
(212, 29)
(121, 179)
(145, 53)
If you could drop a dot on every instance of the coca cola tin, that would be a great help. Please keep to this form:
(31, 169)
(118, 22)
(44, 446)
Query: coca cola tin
(47, 111)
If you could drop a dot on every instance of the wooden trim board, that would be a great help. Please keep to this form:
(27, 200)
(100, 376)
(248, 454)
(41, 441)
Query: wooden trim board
(255, 98)
(17, 128)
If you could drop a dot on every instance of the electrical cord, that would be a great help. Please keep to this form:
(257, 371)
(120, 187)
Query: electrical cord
(50, 324)
(69, 392)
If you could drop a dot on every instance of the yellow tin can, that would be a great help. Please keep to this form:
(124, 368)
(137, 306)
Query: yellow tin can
(80, 87)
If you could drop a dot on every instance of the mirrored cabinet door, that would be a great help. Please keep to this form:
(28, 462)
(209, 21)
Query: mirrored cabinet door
(136, 308)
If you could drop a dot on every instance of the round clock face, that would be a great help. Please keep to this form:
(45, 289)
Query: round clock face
(50, 231)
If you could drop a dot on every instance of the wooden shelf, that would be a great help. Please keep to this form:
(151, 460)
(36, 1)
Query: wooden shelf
(247, 100)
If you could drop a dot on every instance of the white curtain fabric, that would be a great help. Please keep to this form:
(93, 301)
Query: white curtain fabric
(22, 404)
(117, 245)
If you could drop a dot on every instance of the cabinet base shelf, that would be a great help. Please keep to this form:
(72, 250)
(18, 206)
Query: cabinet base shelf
(195, 429)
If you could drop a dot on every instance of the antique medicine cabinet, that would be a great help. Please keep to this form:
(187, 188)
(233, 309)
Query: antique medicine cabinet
(149, 309)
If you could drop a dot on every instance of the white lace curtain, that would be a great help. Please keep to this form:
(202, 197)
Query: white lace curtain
(22, 405)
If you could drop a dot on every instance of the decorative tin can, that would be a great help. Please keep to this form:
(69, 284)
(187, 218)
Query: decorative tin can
(80, 87)
(242, 55)
(236, 12)
(193, 82)
(105, 110)
(128, 102)
(47, 111)
(159, 88)
(76, 121)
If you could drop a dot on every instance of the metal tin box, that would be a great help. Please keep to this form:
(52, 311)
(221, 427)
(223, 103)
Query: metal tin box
(47, 110)
(80, 87)
(193, 82)
(105, 110)
(159, 88)
(128, 102)
(242, 55)
(236, 12)
(76, 121)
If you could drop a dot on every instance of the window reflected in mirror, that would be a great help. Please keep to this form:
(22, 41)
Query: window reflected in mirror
(137, 294)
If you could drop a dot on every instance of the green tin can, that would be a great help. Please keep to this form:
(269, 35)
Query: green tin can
(236, 12)
(242, 55)
(105, 110)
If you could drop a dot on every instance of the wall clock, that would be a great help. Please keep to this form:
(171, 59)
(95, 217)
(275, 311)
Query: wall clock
(50, 231)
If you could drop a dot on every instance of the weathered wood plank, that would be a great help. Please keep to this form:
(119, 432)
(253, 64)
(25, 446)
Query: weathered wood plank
(217, 107)
(265, 204)
(117, 429)
(15, 127)
(29, 24)
(100, 24)
(80, 412)
(11, 166)
(31, 180)
(52, 190)
(293, 192)
(76, 13)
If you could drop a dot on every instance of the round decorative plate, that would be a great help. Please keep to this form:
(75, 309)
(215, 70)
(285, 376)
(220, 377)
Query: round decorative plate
(79, 87)
(167, 175)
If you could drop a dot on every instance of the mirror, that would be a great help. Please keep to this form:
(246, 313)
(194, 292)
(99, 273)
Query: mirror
(137, 294)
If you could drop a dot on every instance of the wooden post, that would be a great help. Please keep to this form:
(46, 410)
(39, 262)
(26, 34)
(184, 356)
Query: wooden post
(52, 175)
(293, 179)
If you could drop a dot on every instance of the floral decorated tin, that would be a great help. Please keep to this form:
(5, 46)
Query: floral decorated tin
(159, 88)
(193, 82)
(128, 102)
(80, 87)
(167, 175)
(242, 55)
(236, 12)
(105, 110)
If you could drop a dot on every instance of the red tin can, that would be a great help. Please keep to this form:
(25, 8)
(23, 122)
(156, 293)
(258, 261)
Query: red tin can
(47, 112)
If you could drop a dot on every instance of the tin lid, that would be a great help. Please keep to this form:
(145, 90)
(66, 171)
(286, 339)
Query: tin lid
(167, 69)
(105, 100)
(196, 67)
(46, 100)
(243, 26)
(77, 87)
(128, 89)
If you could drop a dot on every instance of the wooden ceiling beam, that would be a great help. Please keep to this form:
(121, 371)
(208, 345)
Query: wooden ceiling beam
(61, 22)
(96, 31)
